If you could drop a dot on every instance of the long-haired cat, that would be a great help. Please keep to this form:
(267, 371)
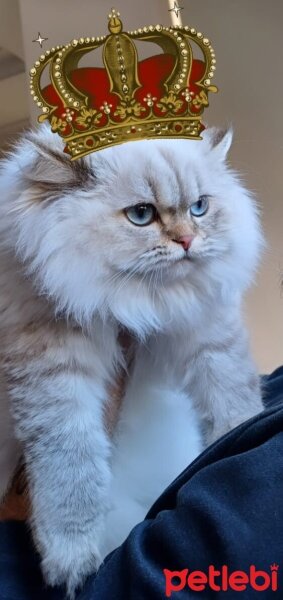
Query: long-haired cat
(155, 238)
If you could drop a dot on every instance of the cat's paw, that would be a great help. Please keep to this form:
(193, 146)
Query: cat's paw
(70, 561)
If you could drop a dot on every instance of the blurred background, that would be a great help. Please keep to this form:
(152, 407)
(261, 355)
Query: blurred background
(247, 38)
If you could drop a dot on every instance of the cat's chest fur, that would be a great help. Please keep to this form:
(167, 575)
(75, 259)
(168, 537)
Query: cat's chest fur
(156, 436)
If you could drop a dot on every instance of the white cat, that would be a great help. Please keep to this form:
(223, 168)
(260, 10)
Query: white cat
(158, 238)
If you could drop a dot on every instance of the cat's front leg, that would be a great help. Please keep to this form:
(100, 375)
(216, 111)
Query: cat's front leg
(224, 384)
(58, 395)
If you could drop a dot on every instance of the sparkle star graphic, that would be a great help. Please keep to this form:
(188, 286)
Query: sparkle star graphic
(176, 9)
(40, 40)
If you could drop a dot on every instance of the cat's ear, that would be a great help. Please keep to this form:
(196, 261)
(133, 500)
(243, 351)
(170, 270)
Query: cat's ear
(219, 141)
(48, 167)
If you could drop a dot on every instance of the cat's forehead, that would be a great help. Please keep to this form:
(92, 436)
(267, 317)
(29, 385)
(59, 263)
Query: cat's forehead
(166, 172)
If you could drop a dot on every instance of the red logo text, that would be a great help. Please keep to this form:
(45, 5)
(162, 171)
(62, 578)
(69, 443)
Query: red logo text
(221, 580)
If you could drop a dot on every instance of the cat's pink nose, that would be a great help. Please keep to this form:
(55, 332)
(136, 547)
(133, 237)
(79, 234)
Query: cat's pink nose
(185, 241)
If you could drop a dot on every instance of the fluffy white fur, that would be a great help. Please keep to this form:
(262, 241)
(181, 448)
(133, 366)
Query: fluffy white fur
(157, 437)
(73, 272)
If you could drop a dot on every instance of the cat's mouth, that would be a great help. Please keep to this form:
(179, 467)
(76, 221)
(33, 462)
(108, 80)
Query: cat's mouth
(163, 264)
(172, 264)
(186, 256)
(170, 260)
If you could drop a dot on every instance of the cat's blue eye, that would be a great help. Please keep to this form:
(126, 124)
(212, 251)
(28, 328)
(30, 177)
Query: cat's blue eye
(141, 214)
(199, 208)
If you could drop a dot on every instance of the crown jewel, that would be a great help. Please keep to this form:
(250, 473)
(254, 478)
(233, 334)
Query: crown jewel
(162, 96)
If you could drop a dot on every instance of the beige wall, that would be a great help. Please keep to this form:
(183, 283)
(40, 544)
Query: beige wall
(247, 38)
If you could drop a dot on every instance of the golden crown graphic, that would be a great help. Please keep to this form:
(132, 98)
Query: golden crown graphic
(162, 96)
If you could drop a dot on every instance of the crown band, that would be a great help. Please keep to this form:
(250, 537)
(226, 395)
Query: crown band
(85, 143)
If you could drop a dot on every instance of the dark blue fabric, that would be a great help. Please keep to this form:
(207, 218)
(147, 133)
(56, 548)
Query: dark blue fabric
(224, 509)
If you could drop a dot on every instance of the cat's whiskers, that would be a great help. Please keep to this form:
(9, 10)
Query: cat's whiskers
(129, 276)
(158, 287)
(149, 284)
(141, 282)
(115, 276)
(155, 287)
(162, 283)
(153, 283)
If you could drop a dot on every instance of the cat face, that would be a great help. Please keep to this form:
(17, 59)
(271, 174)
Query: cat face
(165, 213)
(132, 228)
